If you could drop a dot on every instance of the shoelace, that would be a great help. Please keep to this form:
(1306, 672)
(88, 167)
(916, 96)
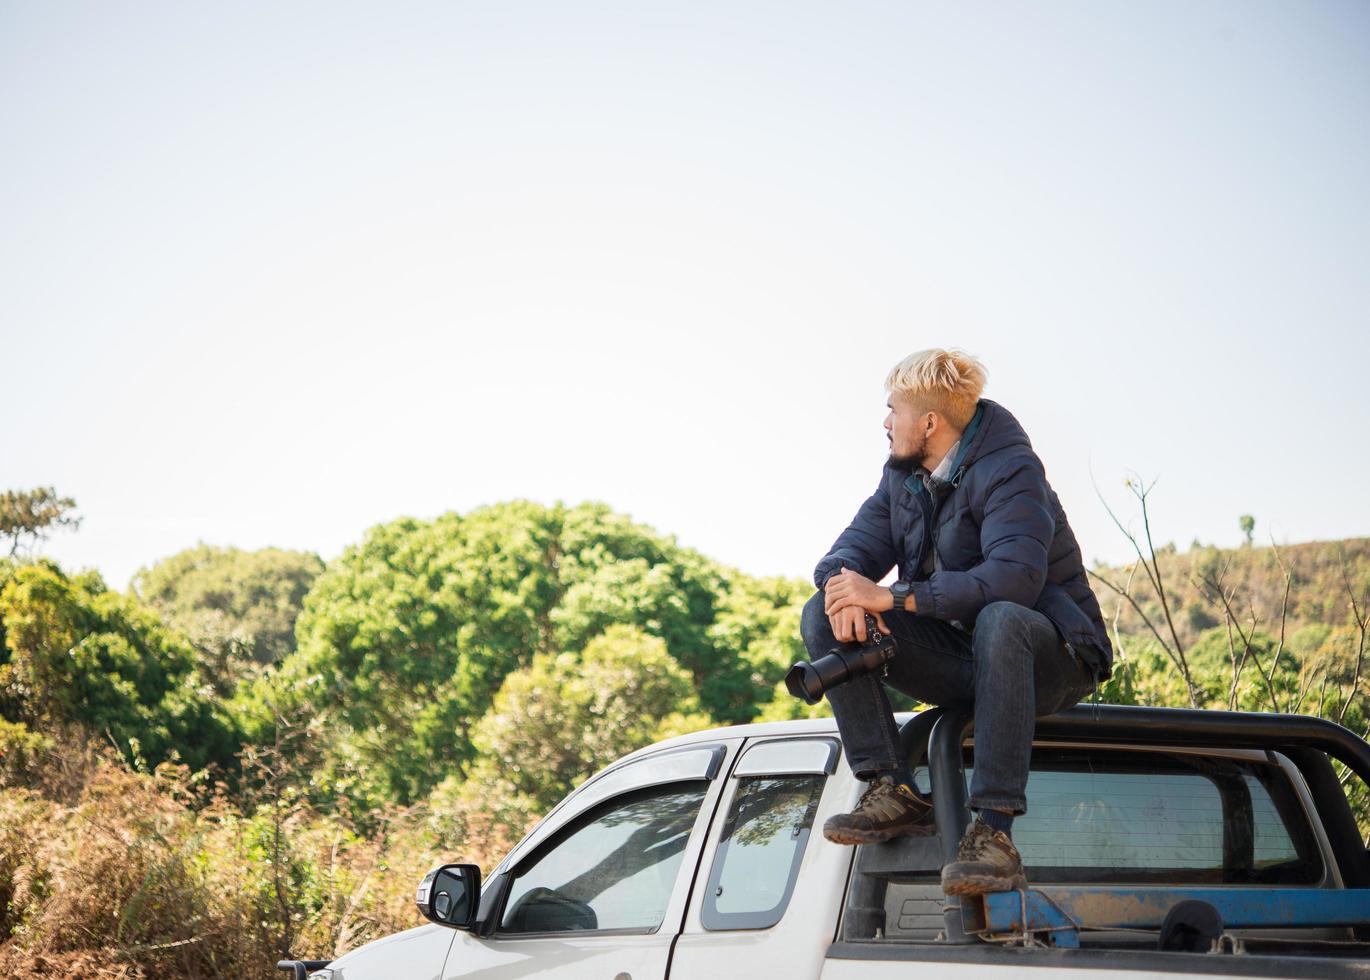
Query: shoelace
(876, 798)
(975, 843)
(867, 795)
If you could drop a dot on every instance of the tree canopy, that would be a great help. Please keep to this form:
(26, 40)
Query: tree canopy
(405, 638)
(238, 607)
(448, 680)
(28, 516)
(77, 654)
(563, 717)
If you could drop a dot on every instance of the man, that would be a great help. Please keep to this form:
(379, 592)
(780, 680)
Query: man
(990, 606)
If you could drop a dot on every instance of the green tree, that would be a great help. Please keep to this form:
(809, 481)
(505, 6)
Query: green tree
(1267, 675)
(32, 515)
(759, 620)
(238, 607)
(557, 721)
(81, 655)
(1143, 673)
(1248, 526)
(614, 571)
(405, 638)
(403, 641)
(8, 566)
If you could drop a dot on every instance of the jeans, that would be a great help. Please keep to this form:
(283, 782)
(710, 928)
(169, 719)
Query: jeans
(1013, 668)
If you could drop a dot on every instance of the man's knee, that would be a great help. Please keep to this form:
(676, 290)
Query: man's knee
(1003, 629)
(1001, 615)
(815, 628)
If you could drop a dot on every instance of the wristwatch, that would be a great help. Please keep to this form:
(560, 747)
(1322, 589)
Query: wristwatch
(900, 590)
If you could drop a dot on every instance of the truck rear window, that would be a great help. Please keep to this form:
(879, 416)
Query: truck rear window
(1096, 815)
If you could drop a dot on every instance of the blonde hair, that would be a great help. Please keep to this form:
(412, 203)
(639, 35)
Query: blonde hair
(947, 382)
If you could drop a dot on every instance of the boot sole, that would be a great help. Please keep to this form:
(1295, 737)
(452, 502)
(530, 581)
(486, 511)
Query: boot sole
(983, 884)
(878, 836)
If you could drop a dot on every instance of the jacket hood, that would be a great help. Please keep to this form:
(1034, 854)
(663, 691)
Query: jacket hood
(991, 429)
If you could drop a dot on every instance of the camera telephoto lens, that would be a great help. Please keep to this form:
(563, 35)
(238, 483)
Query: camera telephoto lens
(807, 681)
(802, 681)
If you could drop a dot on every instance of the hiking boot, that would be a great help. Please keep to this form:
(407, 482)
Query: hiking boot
(886, 810)
(985, 862)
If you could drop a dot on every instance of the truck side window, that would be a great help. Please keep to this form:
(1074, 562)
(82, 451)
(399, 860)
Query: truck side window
(1104, 816)
(614, 868)
(758, 855)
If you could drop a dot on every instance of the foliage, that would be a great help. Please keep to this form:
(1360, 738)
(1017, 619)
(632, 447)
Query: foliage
(405, 638)
(154, 874)
(1278, 629)
(238, 607)
(563, 717)
(758, 619)
(22, 752)
(403, 641)
(1254, 576)
(32, 515)
(80, 655)
(453, 679)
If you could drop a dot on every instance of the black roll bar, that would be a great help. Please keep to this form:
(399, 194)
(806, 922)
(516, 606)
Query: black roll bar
(949, 808)
(1125, 724)
(1198, 726)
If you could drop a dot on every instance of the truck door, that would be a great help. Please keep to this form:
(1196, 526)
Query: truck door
(599, 889)
(770, 888)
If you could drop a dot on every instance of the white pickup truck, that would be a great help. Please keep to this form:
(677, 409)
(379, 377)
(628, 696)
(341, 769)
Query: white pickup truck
(700, 857)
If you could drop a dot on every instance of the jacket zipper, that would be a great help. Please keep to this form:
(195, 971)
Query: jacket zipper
(929, 512)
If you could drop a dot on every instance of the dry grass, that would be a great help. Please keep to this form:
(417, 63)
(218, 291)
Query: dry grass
(109, 873)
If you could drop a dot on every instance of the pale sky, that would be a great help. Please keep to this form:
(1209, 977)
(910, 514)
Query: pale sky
(273, 273)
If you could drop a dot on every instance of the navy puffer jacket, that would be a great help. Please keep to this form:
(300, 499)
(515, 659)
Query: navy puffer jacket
(999, 532)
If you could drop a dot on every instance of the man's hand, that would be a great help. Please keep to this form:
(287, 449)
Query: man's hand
(849, 624)
(848, 588)
(847, 598)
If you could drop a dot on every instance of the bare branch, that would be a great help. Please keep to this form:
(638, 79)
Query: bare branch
(1126, 594)
(1237, 665)
(1173, 647)
(1224, 598)
(1132, 539)
(1346, 770)
(1362, 622)
(1141, 492)
(1304, 689)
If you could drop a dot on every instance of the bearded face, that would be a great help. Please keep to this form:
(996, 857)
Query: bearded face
(906, 427)
(915, 458)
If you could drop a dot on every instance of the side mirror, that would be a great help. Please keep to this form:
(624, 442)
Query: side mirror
(450, 895)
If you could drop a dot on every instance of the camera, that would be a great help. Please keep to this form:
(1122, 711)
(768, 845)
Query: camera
(807, 681)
